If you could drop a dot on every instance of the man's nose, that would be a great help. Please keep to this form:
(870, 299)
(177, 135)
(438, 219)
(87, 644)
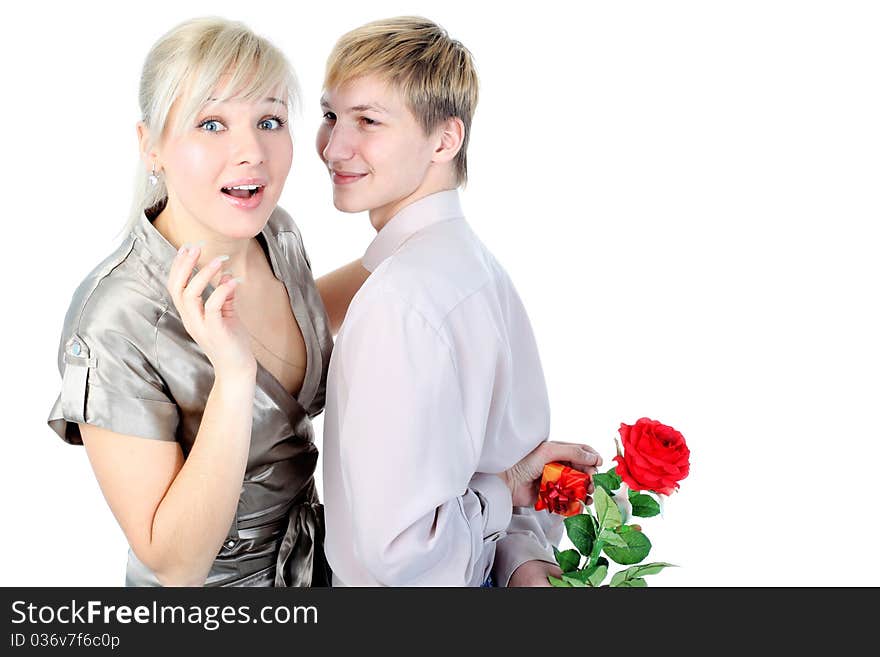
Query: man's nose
(339, 145)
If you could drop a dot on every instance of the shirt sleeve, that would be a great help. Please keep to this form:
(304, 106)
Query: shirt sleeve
(422, 515)
(530, 536)
(107, 380)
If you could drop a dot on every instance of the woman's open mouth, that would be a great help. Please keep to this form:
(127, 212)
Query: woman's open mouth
(244, 196)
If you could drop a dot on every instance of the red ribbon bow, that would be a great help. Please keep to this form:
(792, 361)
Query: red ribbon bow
(563, 489)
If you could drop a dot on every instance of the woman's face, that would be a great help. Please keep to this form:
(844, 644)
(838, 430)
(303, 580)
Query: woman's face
(226, 170)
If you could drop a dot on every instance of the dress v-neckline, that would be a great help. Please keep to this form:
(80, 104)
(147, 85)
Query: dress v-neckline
(292, 405)
(295, 301)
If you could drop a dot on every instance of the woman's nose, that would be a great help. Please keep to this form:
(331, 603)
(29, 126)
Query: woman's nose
(248, 148)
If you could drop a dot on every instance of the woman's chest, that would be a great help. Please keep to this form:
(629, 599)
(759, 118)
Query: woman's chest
(188, 375)
(276, 339)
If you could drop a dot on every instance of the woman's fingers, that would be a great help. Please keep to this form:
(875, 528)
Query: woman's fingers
(228, 307)
(221, 302)
(186, 288)
(181, 270)
(192, 293)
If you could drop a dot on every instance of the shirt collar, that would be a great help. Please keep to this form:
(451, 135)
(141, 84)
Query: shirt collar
(417, 216)
(158, 253)
(158, 250)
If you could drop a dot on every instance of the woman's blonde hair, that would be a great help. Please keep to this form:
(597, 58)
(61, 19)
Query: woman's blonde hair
(434, 72)
(200, 60)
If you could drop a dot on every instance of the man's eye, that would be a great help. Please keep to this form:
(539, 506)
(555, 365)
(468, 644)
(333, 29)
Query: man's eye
(211, 125)
(329, 116)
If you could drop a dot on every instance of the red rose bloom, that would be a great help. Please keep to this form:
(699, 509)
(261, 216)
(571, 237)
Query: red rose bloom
(655, 456)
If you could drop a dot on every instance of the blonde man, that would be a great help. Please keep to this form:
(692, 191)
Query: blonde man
(437, 412)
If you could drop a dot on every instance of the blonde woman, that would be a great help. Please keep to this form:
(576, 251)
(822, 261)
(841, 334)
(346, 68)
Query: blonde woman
(194, 356)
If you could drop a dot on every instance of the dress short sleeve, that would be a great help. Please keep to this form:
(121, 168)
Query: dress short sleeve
(108, 377)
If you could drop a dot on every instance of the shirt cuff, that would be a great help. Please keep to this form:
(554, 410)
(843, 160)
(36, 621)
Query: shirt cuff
(513, 551)
(496, 501)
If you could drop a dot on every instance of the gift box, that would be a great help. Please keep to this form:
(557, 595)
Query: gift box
(563, 489)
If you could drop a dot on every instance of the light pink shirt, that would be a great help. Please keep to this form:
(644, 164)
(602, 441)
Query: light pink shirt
(434, 386)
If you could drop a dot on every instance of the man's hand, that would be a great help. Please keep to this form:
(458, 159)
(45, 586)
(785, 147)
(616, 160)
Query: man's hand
(524, 478)
(534, 573)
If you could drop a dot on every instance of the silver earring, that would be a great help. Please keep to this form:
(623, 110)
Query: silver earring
(154, 180)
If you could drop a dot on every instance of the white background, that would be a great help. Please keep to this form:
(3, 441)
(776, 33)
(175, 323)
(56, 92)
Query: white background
(685, 194)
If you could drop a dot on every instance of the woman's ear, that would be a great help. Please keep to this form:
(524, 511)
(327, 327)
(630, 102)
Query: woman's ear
(451, 137)
(148, 155)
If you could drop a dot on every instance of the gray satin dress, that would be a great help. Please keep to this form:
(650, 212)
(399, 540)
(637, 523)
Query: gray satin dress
(128, 365)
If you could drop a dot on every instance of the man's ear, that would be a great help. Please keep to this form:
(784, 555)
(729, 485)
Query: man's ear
(149, 155)
(450, 138)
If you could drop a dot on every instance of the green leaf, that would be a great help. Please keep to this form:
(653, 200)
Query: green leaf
(582, 530)
(637, 583)
(623, 507)
(637, 548)
(607, 512)
(651, 568)
(555, 581)
(610, 537)
(580, 575)
(637, 572)
(607, 480)
(567, 560)
(643, 505)
(589, 570)
(575, 582)
(598, 575)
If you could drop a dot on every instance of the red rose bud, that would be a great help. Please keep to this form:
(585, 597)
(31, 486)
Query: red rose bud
(563, 490)
(655, 456)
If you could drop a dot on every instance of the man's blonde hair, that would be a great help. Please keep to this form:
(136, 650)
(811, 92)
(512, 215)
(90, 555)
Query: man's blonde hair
(434, 72)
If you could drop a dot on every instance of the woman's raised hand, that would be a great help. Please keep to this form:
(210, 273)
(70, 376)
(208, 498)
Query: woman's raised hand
(213, 324)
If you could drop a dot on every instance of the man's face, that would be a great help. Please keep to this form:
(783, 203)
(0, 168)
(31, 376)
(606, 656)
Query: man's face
(375, 150)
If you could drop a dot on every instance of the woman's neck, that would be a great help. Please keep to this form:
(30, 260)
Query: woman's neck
(179, 229)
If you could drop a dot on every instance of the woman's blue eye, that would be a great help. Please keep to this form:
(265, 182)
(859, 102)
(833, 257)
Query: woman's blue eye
(272, 123)
(211, 125)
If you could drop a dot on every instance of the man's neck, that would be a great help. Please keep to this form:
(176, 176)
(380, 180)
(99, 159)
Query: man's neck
(382, 215)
